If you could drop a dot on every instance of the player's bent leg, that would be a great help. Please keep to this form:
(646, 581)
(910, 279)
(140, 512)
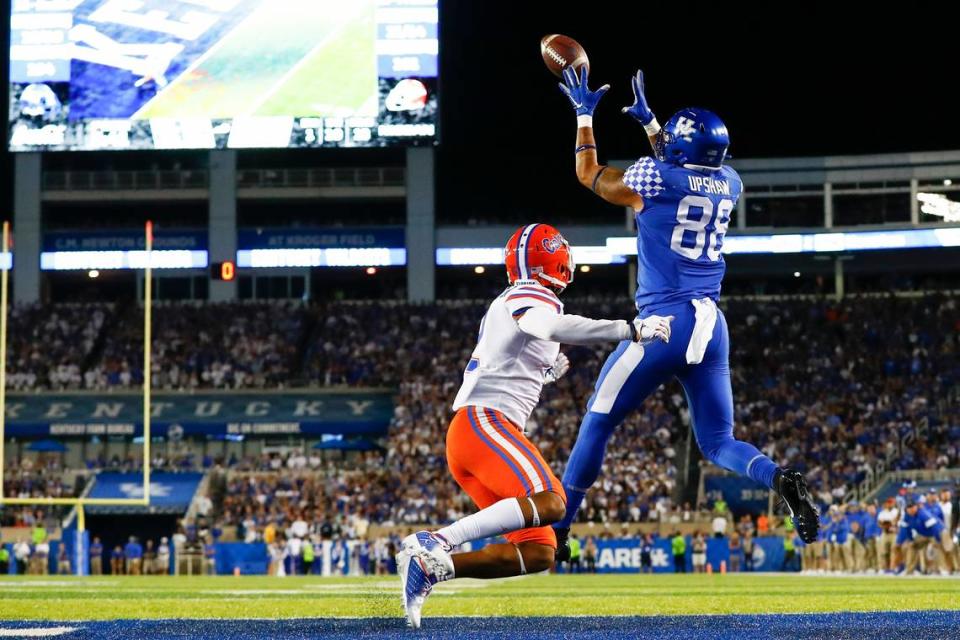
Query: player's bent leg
(506, 516)
(710, 398)
(628, 376)
(533, 550)
(505, 560)
(518, 495)
(425, 558)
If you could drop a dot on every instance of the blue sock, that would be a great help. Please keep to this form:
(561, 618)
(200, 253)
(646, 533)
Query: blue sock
(585, 462)
(763, 470)
(743, 458)
(574, 500)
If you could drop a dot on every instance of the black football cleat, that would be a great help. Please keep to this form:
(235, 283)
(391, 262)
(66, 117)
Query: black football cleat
(793, 490)
(562, 553)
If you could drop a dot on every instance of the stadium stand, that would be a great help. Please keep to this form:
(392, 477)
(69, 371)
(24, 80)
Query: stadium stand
(813, 388)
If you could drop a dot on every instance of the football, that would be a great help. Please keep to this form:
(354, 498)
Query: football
(561, 51)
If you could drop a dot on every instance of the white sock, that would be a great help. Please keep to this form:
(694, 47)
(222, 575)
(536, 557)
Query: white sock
(500, 517)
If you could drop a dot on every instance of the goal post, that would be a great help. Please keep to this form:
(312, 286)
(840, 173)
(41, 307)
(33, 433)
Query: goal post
(6, 265)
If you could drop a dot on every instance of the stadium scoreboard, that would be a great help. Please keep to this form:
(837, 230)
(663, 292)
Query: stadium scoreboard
(212, 74)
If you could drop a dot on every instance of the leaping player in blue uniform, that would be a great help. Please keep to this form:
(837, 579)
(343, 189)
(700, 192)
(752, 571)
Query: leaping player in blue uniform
(683, 197)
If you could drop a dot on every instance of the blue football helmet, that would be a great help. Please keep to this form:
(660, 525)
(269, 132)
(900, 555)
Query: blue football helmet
(693, 136)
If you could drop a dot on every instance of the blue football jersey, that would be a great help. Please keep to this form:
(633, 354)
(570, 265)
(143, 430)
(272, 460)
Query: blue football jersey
(680, 230)
(923, 523)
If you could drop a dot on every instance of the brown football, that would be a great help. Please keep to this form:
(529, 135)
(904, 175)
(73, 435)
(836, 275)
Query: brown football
(560, 52)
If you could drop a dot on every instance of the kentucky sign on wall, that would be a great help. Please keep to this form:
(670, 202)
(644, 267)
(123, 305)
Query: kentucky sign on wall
(177, 414)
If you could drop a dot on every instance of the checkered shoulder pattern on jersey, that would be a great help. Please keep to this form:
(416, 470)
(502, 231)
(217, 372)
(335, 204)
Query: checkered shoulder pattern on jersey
(644, 178)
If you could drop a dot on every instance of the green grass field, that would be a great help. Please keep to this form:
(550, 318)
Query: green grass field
(69, 598)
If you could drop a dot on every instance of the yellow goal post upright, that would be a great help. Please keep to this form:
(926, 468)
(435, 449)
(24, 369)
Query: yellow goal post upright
(6, 265)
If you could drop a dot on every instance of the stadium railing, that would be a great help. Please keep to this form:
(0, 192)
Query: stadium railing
(917, 475)
(86, 181)
(877, 474)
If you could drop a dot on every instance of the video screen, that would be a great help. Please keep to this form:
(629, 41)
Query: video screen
(216, 74)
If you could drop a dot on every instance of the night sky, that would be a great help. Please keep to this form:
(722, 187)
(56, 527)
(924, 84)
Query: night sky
(789, 79)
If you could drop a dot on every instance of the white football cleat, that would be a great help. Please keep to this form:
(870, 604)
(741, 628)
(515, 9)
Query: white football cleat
(423, 561)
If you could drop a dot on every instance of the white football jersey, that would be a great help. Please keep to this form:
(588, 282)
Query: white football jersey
(506, 370)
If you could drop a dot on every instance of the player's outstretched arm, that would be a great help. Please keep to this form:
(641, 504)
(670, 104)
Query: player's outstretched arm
(640, 110)
(545, 324)
(605, 181)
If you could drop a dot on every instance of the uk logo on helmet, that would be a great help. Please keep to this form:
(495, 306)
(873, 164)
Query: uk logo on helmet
(685, 128)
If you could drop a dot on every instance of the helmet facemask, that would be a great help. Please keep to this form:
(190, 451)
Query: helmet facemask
(568, 270)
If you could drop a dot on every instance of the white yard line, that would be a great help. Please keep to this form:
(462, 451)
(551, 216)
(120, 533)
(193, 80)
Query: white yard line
(36, 632)
(15, 585)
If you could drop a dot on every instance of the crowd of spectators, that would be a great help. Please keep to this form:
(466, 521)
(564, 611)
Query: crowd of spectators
(195, 346)
(827, 387)
(205, 346)
(832, 388)
(35, 477)
(48, 345)
(421, 350)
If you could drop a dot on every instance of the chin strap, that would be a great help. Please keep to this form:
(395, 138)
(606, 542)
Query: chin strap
(554, 281)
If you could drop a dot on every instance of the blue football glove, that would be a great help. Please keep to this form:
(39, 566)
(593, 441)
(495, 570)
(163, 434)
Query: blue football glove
(640, 110)
(576, 89)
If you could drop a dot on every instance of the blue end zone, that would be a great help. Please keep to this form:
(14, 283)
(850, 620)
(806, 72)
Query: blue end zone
(912, 625)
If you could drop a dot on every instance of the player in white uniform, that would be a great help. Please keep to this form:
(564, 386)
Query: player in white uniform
(490, 457)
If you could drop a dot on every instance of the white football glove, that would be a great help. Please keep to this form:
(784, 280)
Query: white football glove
(652, 328)
(557, 371)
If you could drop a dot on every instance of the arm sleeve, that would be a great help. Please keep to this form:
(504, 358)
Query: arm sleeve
(547, 325)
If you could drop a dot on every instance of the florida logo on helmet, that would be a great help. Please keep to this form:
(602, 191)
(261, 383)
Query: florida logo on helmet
(553, 243)
(539, 252)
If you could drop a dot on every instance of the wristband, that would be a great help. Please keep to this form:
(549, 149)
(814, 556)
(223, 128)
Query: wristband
(652, 128)
(584, 121)
(584, 147)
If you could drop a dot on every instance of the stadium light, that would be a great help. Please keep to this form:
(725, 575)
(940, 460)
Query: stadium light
(820, 242)
(112, 260)
(466, 256)
(280, 258)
